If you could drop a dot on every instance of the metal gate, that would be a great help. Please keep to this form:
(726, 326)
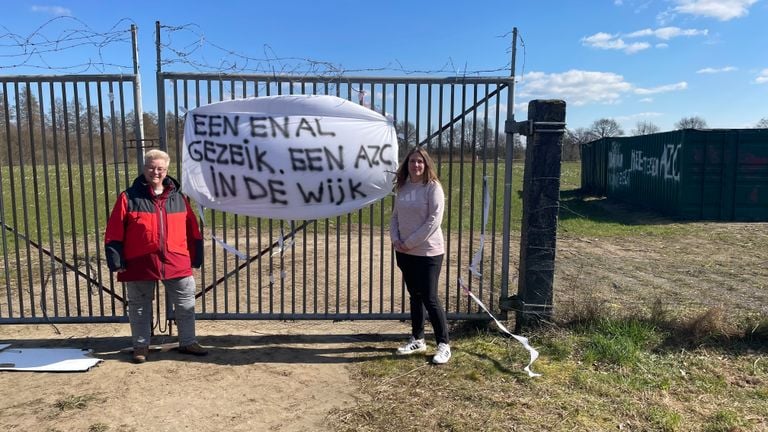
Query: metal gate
(65, 146)
(343, 267)
(70, 144)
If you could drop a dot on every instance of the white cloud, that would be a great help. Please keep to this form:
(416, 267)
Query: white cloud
(667, 33)
(661, 45)
(576, 87)
(709, 70)
(642, 115)
(610, 42)
(646, 100)
(662, 89)
(640, 33)
(762, 78)
(723, 10)
(52, 10)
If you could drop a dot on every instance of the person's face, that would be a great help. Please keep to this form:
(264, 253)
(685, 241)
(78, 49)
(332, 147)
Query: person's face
(155, 171)
(416, 166)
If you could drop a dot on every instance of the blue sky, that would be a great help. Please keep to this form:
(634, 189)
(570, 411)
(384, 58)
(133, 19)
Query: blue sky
(630, 60)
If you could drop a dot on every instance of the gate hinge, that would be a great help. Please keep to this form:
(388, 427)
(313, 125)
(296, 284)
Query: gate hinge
(524, 127)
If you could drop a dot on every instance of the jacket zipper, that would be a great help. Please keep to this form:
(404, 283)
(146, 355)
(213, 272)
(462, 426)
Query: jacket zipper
(161, 233)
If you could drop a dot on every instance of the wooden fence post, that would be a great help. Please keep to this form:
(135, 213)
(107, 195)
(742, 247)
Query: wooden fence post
(541, 201)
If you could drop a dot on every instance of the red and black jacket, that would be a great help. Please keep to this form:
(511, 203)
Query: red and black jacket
(153, 237)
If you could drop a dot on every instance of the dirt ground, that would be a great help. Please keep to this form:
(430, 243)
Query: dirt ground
(270, 376)
(286, 376)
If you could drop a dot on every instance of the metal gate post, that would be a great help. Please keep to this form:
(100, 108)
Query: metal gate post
(541, 201)
(161, 126)
(139, 117)
(508, 159)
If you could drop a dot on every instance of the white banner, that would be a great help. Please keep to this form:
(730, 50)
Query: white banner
(294, 157)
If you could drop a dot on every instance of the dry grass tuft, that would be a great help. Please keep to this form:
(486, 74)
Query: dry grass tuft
(711, 325)
(757, 331)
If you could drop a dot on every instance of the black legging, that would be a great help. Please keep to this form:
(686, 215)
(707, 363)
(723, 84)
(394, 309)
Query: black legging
(421, 274)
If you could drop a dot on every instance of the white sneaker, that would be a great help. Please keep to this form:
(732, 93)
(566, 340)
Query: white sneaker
(412, 347)
(443, 354)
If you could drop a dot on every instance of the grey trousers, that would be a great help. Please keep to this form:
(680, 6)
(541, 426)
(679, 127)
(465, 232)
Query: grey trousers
(180, 293)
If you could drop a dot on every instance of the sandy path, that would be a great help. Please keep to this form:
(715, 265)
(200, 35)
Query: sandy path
(276, 376)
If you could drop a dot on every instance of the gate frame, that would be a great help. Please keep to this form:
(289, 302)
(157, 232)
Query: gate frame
(503, 300)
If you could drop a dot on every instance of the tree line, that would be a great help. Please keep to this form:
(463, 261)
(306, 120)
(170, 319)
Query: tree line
(607, 127)
(75, 131)
(71, 130)
(466, 140)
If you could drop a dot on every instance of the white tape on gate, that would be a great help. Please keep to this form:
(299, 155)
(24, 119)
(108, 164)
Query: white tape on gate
(227, 247)
(474, 268)
(523, 340)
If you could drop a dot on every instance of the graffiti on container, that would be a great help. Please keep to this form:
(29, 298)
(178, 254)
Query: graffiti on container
(615, 158)
(670, 166)
(650, 166)
(618, 177)
(645, 164)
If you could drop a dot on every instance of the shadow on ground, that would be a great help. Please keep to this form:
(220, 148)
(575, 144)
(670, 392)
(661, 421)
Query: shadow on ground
(236, 350)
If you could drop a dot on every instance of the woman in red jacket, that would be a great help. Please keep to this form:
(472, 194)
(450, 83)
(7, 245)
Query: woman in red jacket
(152, 235)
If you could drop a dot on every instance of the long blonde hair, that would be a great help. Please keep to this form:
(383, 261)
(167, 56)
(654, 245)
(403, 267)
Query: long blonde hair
(430, 174)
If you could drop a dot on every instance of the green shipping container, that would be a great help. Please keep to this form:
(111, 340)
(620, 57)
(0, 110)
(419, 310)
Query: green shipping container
(694, 174)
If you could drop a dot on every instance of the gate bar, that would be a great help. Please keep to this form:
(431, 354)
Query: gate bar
(252, 259)
(462, 115)
(64, 263)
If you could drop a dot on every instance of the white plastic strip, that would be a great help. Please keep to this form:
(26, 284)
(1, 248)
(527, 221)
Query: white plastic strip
(227, 247)
(523, 340)
(282, 243)
(474, 267)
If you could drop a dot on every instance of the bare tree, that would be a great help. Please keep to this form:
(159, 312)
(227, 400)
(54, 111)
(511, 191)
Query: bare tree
(694, 122)
(645, 128)
(762, 124)
(606, 127)
(573, 140)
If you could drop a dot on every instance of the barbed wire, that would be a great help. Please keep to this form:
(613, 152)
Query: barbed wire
(509, 51)
(193, 54)
(38, 50)
(54, 43)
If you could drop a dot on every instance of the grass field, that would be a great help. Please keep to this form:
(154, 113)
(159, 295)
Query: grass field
(53, 201)
(659, 325)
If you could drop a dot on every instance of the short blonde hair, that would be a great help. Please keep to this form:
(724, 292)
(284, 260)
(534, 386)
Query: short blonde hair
(155, 154)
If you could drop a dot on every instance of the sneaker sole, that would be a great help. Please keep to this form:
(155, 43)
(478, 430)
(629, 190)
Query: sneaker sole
(400, 353)
(440, 362)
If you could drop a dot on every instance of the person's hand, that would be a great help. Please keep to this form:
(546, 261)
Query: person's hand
(399, 246)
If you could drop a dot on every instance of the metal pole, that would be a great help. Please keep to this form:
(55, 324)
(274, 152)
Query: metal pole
(510, 146)
(160, 94)
(139, 112)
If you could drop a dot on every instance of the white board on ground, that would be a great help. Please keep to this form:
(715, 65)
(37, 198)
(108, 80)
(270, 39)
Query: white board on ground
(47, 359)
